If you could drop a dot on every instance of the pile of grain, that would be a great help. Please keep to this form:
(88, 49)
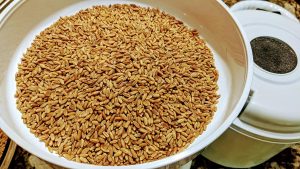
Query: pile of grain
(3, 141)
(117, 85)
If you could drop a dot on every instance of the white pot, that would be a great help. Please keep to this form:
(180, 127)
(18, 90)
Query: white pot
(239, 148)
(270, 122)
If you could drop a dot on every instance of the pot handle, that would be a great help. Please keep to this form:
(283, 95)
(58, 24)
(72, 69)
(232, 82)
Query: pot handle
(263, 5)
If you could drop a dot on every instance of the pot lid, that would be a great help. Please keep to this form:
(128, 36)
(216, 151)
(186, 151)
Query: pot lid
(274, 103)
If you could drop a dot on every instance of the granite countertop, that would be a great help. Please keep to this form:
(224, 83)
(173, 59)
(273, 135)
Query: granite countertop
(289, 158)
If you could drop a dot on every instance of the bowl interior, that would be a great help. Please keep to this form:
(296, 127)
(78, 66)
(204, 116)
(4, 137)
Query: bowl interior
(26, 19)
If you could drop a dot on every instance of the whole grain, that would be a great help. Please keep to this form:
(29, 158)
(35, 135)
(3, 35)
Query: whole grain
(117, 85)
(3, 141)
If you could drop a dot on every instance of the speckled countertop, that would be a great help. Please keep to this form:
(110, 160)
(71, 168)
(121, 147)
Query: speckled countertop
(287, 159)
